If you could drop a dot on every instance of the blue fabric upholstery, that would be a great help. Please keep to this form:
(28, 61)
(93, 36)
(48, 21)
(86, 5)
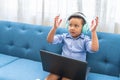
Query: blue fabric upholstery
(20, 45)
(95, 76)
(107, 59)
(5, 59)
(24, 40)
(23, 69)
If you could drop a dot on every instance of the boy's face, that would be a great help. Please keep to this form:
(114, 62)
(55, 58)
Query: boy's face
(75, 27)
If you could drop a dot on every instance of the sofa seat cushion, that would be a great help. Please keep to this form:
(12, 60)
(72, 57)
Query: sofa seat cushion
(23, 69)
(95, 76)
(5, 60)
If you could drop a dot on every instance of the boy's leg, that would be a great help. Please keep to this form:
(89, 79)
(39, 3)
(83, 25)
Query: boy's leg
(52, 77)
(64, 78)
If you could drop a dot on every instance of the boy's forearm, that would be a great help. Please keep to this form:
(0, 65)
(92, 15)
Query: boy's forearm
(51, 35)
(95, 43)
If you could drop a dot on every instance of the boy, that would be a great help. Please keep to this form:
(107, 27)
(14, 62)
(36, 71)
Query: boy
(75, 43)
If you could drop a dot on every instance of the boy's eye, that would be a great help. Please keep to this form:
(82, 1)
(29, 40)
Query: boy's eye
(76, 26)
(69, 24)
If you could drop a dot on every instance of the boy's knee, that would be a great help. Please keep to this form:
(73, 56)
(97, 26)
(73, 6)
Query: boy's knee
(52, 77)
(64, 78)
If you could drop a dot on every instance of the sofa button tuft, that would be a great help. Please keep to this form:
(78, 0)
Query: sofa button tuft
(105, 60)
(8, 27)
(39, 32)
(26, 46)
(11, 43)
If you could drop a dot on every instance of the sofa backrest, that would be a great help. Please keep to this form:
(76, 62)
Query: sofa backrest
(107, 59)
(25, 40)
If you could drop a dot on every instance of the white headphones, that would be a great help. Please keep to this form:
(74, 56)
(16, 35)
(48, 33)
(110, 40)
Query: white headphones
(85, 28)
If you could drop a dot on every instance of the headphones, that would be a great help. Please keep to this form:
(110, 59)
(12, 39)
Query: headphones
(80, 15)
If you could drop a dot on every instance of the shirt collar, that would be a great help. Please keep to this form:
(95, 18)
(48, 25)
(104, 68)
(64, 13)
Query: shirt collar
(80, 36)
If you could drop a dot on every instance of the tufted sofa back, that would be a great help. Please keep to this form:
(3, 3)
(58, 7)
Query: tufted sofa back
(107, 59)
(25, 40)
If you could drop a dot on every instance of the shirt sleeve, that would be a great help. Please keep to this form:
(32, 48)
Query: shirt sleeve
(57, 39)
(88, 44)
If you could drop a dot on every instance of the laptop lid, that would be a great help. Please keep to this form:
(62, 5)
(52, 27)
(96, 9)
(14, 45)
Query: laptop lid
(63, 66)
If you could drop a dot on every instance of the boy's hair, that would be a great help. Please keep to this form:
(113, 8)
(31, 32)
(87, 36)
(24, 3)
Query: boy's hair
(78, 15)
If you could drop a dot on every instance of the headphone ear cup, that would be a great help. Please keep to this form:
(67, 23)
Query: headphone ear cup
(67, 24)
(85, 28)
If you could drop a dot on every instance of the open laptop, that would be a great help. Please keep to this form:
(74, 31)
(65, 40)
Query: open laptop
(63, 66)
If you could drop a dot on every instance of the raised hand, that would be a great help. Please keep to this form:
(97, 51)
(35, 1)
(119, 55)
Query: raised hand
(94, 24)
(57, 21)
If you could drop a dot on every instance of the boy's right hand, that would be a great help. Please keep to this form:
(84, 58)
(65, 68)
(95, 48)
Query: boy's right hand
(57, 21)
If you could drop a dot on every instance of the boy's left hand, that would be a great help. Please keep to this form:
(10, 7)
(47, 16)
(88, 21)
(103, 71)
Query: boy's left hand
(94, 24)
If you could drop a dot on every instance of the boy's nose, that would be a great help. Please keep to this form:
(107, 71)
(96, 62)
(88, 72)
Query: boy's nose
(72, 27)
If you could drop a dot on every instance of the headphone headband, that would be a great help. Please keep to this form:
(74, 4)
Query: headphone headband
(78, 14)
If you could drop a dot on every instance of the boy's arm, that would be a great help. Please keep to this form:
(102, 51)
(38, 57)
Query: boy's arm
(51, 35)
(52, 32)
(95, 43)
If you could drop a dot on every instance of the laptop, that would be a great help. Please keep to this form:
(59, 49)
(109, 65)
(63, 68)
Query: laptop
(63, 66)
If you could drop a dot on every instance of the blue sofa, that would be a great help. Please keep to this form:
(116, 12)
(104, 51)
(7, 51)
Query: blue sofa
(20, 45)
